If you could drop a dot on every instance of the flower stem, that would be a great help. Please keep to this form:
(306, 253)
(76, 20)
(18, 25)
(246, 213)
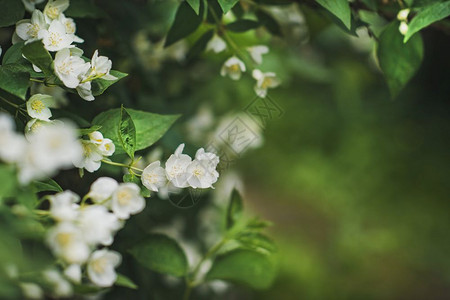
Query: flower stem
(112, 163)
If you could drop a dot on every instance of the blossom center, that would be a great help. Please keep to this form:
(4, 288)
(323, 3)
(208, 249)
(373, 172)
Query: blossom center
(64, 239)
(99, 265)
(33, 30)
(55, 38)
(123, 197)
(37, 106)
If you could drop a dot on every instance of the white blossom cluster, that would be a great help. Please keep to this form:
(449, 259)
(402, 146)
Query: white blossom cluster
(234, 67)
(94, 150)
(43, 152)
(57, 33)
(181, 171)
(83, 231)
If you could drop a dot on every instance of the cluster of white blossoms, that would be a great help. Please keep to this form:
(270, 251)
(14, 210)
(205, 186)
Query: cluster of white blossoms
(181, 171)
(94, 150)
(43, 152)
(82, 232)
(57, 33)
(402, 16)
(234, 67)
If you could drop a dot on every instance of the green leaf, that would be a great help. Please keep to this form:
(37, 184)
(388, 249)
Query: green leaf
(27, 198)
(11, 11)
(84, 9)
(195, 4)
(427, 16)
(13, 54)
(242, 25)
(186, 22)
(161, 254)
(269, 22)
(234, 211)
(14, 80)
(39, 56)
(124, 281)
(150, 127)
(339, 8)
(214, 12)
(257, 241)
(398, 61)
(246, 267)
(200, 45)
(100, 85)
(127, 132)
(46, 186)
(131, 178)
(8, 180)
(226, 5)
(85, 131)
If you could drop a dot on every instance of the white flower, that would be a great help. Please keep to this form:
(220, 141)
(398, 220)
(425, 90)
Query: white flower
(12, 145)
(31, 290)
(54, 8)
(100, 67)
(63, 206)
(69, 68)
(28, 30)
(403, 14)
(154, 176)
(61, 287)
(73, 273)
(84, 90)
(256, 52)
(264, 81)
(403, 28)
(34, 125)
(71, 27)
(127, 200)
(202, 170)
(67, 242)
(38, 106)
(96, 137)
(102, 189)
(98, 225)
(216, 44)
(176, 167)
(31, 4)
(107, 147)
(55, 37)
(233, 67)
(91, 157)
(100, 267)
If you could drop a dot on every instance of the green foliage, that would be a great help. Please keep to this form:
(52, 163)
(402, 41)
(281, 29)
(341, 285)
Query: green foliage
(226, 5)
(427, 16)
(150, 127)
(11, 12)
(339, 8)
(195, 4)
(85, 131)
(269, 22)
(246, 267)
(234, 211)
(200, 45)
(14, 80)
(161, 254)
(256, 241)
(84, 9)
(8, 180)
(398, 61)
(186, 22)
(100, 85)
(39, 56)
(48, 185)
(242, 25)
(124, 281)
(127, 133)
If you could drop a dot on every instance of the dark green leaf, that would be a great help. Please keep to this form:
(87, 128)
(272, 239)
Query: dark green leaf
(195, 4)
(14, 80)
(269, 22)
(186, 22)
(234, 211)
(274, 2)
(339, 8)
(427, 16)
(214, 12)
(11, 11)
(200, 45)
(85, 131)
(124, 281)
(84, 9)
(226, 5)
(127, 133)
(13, 54)
(39, 56)
(246, 267)
(161, 254)
(100, 85)
(398, 61)
(242, 25)
(46, 186)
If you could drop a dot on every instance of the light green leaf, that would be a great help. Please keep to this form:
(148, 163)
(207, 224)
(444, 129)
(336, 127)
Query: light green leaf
(195, 4)
(234, 211)
(46, 186)
(398, 61)
(14, 80)
(124, 281)
(85, 131)
(11, 11)
(8, 180)
(39, 56)
(339, 8)
(186, 22)
(226, 5)
(150, 127)
(127, 133)
(427, 16)
(256, 241)
(161, 254)
(100, 85)
(246, 267)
